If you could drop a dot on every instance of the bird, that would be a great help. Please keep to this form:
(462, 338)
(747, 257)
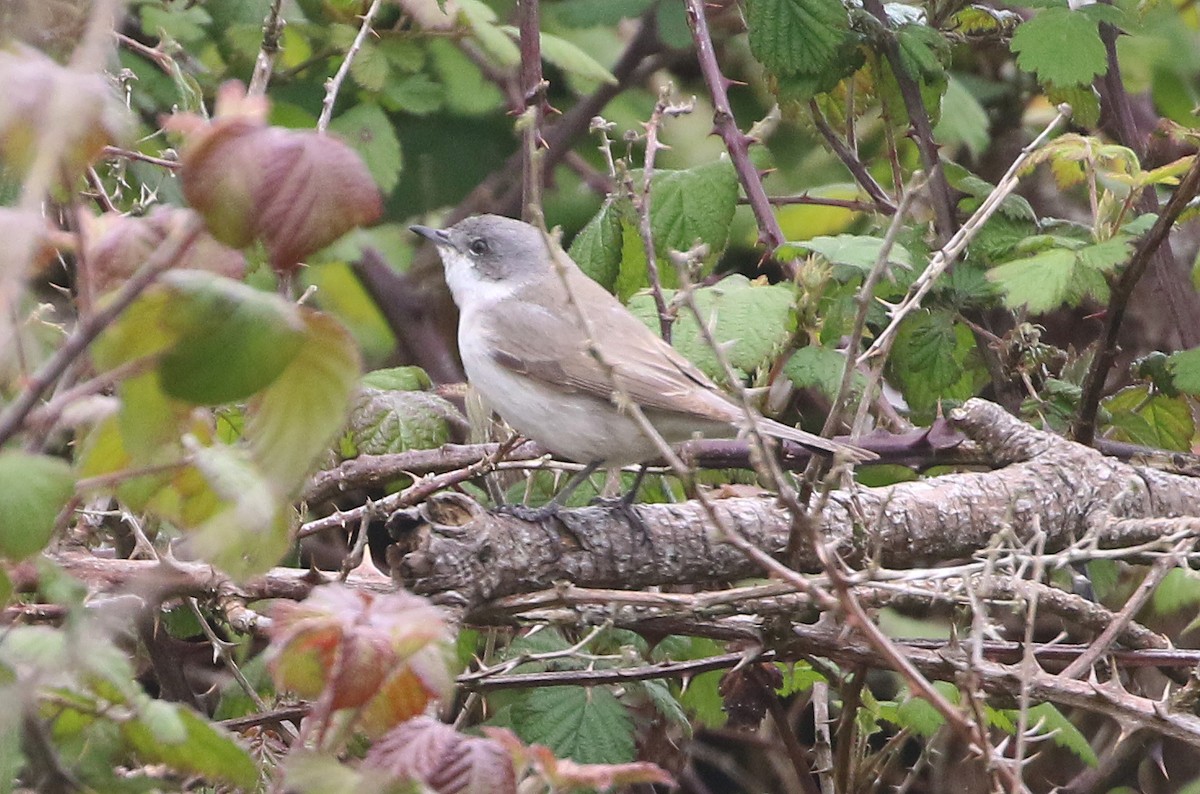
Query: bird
(560, 359)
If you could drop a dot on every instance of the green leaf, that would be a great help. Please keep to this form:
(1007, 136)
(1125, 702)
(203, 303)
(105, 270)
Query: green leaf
(300, 413)
(586, 724)
(854, 250)
(1154, 420)
(387, 421)
(798, 677)
(370, 67)
(397, 379)
(246, 531)
(1041, 282)
(572, 60)
(36, 488)
(821, 367)
(1062, 732)
(597, 247)
(797, 36)
(494, 39)
(1185, 366)
(932, 360)
(415, 94)
(197, 747)
(753, 321)
(1179, 589)
(467, 92)
(691, 206)
(963, 120)
(589, 13)
(923, 52)
(1062, 46)
(231, 340)
(184, 24)
(919, 716)
(368, 130)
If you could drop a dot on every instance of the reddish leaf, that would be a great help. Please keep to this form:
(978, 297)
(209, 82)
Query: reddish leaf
(384, 653)
(296, 190)
(117, 245)
(34, 88)
(446, 761)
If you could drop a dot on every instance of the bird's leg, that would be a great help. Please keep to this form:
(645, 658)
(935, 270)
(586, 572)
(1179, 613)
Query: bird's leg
(551, 508)
(624, 504)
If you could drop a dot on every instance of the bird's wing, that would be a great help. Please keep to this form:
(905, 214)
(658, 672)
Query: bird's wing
(553, 347)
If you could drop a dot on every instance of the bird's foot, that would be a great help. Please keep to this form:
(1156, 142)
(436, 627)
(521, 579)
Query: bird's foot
(623, 505)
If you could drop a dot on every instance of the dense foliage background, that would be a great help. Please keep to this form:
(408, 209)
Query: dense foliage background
(226, 365)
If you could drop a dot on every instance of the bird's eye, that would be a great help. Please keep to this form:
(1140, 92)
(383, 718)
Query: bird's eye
(479, 246)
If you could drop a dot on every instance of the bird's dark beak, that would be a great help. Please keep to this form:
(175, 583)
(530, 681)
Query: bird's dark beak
(436, 236)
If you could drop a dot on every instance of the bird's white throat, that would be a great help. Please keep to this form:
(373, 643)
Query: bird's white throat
(467, 286)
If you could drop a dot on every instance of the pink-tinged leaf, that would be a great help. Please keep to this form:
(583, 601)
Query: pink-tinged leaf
(386, 654)
(444, 760)
(117, 245)
(35, 87)
(296, 190)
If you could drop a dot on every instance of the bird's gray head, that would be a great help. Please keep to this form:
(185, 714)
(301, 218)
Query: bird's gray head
(488, 256)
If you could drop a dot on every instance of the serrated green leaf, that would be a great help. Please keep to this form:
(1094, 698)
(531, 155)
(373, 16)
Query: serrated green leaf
(415, 94)
(388, 421)
(370, 67)
(694, 205)
(36, 488)
(494, 39)
(182, 23)
(199, 748)
(1106, 256)
(821, 367)
(1041, 282)
(1062, 46)
(586, 724)
(923, 52)
(853, 250)
(797, 36)
(1153, 420)
(797, 677)
(1185, 366)
(300, 413)
(753, 321)
(368, 130)
(597, 247)
(667, 705)
(1062, 732)
(919, 716)
(932, 360)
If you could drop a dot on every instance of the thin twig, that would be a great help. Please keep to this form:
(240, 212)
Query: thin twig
(883, 202)
(533, 97)
(956, 244)
(334, 84)
(910, 92)
(736, 142)
(264, 65)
